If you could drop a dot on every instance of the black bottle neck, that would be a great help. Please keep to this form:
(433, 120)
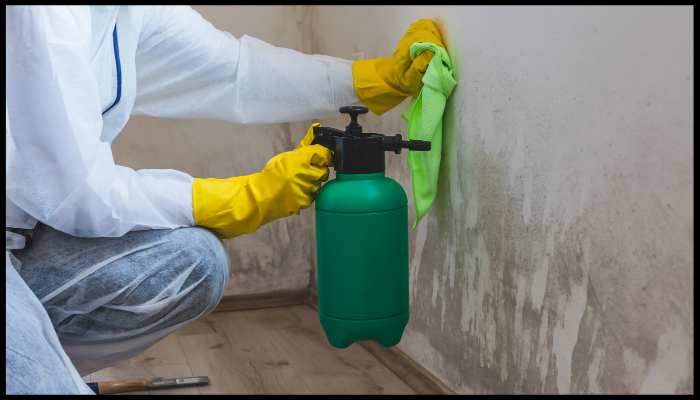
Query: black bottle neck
(359, 155)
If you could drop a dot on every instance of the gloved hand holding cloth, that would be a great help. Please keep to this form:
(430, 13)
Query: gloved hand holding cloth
(383, 83)
(240, 205)
(424, 117)
(419, 67)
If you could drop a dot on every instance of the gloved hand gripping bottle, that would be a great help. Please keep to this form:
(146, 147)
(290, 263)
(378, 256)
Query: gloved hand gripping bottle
(362, 238)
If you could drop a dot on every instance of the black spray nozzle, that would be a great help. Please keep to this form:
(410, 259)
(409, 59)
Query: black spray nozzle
(355, 152)
(395, 144)
(354, 128)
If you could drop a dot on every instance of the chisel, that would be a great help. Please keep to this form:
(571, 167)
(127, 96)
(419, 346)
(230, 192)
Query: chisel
(132, 385)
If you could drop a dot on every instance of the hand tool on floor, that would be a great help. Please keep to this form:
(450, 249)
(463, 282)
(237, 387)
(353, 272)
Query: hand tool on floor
(362, 237)
(133, 385)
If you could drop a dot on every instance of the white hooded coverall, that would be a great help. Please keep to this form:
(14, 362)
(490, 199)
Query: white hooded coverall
(74, 75)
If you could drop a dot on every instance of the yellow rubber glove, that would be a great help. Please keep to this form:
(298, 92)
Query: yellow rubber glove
(288, 183)
(383, 83)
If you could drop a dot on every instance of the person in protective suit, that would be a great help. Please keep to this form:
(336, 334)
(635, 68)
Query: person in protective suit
(103, 261)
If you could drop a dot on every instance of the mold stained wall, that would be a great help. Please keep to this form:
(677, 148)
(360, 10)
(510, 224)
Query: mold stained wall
(558, 254)
(277, 256)
(557, 257)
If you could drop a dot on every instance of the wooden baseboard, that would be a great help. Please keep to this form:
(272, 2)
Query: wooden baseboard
(417, 377)
(263, 300)
(406, 368)
(313, 300)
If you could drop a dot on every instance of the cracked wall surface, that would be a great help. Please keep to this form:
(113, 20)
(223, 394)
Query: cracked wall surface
(557, 257)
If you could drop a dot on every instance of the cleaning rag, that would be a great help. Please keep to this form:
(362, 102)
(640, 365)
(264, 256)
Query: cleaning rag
(424, 117)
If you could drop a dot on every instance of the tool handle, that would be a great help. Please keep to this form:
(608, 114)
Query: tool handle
(109, 387)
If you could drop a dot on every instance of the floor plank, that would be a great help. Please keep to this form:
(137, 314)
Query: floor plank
(326, 372)
(214, 323)
(252, 320)
(275, 319)
(262, 351)
(363, 360)
(276, 374)
(306, 315)
(240, 363)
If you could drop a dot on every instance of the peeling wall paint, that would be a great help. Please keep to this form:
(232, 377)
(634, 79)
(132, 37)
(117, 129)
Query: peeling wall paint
(558, 255)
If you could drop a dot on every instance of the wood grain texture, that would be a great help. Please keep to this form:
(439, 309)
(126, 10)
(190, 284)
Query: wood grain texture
(240, 363)
(327, 371)
(259, 320)
(275, 319)
(235, 350)
(263, 300)
(406, 368)
(273, 350)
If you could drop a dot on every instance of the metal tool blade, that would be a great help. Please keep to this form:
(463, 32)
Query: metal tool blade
(177, 382)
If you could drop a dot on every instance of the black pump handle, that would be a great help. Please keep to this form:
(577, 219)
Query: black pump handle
(354, 111)
(353, 127)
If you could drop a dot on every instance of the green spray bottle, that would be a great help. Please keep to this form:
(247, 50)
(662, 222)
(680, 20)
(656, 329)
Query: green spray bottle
(362, 238)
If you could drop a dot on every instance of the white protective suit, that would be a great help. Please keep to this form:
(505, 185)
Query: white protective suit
(73, 77)
(62, 74)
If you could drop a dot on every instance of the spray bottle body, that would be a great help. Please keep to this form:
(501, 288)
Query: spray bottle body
(362, 237)
(362, 257)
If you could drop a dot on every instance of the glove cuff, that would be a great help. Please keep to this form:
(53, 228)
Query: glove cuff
(213, 202)
(376, 86)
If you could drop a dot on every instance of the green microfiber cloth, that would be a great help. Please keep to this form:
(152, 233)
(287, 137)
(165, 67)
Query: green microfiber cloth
(424, 117)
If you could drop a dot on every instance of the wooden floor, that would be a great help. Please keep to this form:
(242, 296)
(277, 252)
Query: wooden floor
(273, 350)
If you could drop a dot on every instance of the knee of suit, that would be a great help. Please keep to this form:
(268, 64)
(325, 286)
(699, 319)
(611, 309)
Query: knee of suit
(189, 272)
(212, 261)
(189, 280)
